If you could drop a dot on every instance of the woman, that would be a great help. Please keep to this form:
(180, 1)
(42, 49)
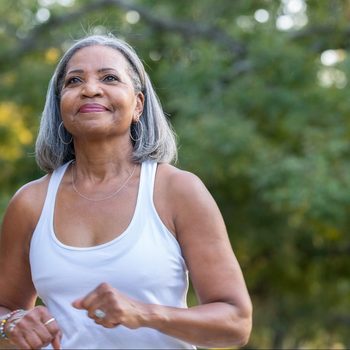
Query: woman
(107, 237)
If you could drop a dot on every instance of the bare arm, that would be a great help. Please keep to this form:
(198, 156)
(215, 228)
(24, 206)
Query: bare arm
(223, 317)
(16, 287)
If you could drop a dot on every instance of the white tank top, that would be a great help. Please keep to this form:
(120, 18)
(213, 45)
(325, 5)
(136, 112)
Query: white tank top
(144, 262)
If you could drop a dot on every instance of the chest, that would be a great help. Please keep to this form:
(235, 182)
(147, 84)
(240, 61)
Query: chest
(82, 223)
(144, 263)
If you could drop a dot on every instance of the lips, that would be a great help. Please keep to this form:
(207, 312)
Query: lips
(92, 108)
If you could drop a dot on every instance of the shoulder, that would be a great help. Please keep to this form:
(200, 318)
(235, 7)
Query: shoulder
(179, 182)
(184, 195)
(32, 193)
(28, 201)
(180, 185)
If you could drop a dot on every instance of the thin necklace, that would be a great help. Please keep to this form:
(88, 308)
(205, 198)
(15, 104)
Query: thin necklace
(104, 198)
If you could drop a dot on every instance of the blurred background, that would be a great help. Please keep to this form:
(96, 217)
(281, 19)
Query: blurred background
(258, 93)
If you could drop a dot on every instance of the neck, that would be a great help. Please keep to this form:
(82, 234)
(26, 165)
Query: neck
(102, 160)
(105, 197)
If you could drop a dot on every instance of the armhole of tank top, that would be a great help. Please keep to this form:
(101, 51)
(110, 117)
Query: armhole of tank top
(40, 217)
(153, 174)
(49, 201)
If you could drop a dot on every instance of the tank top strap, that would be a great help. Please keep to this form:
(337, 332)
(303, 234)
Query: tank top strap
(147, 180)
(54, 184)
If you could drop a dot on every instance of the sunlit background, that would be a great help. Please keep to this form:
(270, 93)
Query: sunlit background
(257, 91)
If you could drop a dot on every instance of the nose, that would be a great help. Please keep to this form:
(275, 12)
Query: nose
(91, 89)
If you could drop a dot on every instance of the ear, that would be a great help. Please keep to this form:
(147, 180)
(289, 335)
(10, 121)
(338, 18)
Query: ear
(140, 101)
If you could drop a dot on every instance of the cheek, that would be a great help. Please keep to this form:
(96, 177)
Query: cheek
(62, 108)
(66, 105)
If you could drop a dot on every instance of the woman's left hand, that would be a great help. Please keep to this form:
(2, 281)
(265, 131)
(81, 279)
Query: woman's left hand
(110, 308)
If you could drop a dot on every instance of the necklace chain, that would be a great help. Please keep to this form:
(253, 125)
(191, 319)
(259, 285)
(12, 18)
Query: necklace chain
(104, 198)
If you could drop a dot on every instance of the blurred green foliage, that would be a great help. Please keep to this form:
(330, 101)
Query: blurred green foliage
(259, 116)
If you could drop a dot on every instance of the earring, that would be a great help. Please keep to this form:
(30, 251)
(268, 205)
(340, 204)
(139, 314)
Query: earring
(134, 130)
(60, 136)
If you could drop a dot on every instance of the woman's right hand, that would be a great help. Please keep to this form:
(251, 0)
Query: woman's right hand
(33, 331)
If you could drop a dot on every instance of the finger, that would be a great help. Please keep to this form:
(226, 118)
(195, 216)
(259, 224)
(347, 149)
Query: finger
(56, 342)
(93, 311)
(78, 303)
(33, 340)
(112, 318)
(20, 343)
(105, 322)
(55, 332)
(108, 323)
(87, 301)
(18, 340)
(32, 329)
(20, 336)
(43, 333)
(51, 327)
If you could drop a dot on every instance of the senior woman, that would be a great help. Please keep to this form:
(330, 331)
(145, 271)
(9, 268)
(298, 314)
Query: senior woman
(108, 237)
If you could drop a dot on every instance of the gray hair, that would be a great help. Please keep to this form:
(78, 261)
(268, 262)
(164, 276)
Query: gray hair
(152, 137)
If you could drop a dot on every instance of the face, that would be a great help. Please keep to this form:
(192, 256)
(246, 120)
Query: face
(98, 97)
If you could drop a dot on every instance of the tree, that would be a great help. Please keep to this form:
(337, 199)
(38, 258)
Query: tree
(257, 93)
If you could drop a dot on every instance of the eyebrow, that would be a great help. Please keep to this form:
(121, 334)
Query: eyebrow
(101, 70)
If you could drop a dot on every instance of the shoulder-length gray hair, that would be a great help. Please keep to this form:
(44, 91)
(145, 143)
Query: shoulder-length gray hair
(152, 136)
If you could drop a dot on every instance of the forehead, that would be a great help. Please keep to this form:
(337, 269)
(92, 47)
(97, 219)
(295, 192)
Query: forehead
(97, 56)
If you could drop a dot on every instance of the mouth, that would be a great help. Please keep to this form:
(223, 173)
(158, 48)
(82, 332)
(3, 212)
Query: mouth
(92, 108)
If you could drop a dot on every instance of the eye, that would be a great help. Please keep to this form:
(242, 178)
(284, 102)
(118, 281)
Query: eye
(72, 80)
(110, 78)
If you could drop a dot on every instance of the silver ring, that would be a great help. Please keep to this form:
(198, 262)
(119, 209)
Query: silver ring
(49, 321)
(99, 313)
